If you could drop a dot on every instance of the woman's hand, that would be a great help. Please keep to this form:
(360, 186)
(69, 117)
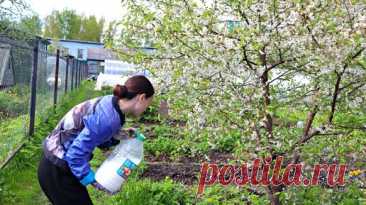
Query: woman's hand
(101, 188)
(131, 131)
(126, 133)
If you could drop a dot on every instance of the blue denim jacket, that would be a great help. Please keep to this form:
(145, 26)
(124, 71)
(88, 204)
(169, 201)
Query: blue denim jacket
(90, 124)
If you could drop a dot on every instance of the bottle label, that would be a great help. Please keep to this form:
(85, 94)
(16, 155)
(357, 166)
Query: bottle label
(126, 168)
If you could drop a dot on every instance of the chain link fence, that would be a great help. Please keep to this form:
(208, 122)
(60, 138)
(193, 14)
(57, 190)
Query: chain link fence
(31, 80)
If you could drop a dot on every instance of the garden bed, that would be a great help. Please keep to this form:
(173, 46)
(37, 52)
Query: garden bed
(185, 169)
(185, 173)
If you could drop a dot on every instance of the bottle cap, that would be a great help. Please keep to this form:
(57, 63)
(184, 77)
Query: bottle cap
(139, 136)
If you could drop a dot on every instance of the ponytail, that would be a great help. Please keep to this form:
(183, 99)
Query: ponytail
(135, 85)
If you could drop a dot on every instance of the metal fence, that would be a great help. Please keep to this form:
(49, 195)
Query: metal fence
(31, 80)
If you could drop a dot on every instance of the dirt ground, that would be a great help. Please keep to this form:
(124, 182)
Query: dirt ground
(185, 170)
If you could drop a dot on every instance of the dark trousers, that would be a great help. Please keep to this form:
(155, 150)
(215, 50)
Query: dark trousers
(60, 185)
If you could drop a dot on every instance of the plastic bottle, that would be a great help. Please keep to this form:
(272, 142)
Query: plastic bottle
(116, 168)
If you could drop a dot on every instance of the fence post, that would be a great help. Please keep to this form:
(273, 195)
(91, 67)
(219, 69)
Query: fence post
(72, 74)
(76, 73)
(87, 70)
(32, 110)
(67, 73)
(82, 71)
(56, 78)
(80, 65)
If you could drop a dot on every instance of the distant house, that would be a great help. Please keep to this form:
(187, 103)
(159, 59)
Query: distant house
(96, 58)
(77, 48)
(93, 52)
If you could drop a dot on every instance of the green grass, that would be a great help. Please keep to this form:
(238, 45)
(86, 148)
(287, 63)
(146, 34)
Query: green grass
(18, 180)
(20, 186)
(12, 134)
(19, 183)
(14, 119)
(14, 101)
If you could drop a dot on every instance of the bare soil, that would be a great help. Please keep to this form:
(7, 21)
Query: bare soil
(185, 169)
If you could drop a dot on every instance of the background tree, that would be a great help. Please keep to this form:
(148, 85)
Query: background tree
(18, 21)
(62, 25)
(10, 9)
(110, 34)
(91, 29)
(67, 24)
(288, 77)
(31, 25)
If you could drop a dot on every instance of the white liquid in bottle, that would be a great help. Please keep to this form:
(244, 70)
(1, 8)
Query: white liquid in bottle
(116, 168)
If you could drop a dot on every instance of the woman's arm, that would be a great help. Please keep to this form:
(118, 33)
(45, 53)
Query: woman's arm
(106, 145)
(123, 134)
(96, 130)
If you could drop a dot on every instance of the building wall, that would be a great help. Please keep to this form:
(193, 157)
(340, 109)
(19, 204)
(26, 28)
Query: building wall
(73, 48)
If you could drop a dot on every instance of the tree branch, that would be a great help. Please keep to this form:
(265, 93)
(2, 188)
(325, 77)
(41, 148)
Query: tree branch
(337, 85)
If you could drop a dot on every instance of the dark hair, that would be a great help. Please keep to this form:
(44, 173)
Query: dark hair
(135, 85)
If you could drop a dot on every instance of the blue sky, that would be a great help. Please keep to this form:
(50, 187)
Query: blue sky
(109, 9)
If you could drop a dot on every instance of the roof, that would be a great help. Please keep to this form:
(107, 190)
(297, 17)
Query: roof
(101, 54)
(25, 43)
(78, 41)
(43, 40)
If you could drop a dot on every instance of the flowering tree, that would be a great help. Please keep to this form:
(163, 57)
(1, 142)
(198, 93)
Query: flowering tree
(289, 76)
(11, 8)
(18, 21)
